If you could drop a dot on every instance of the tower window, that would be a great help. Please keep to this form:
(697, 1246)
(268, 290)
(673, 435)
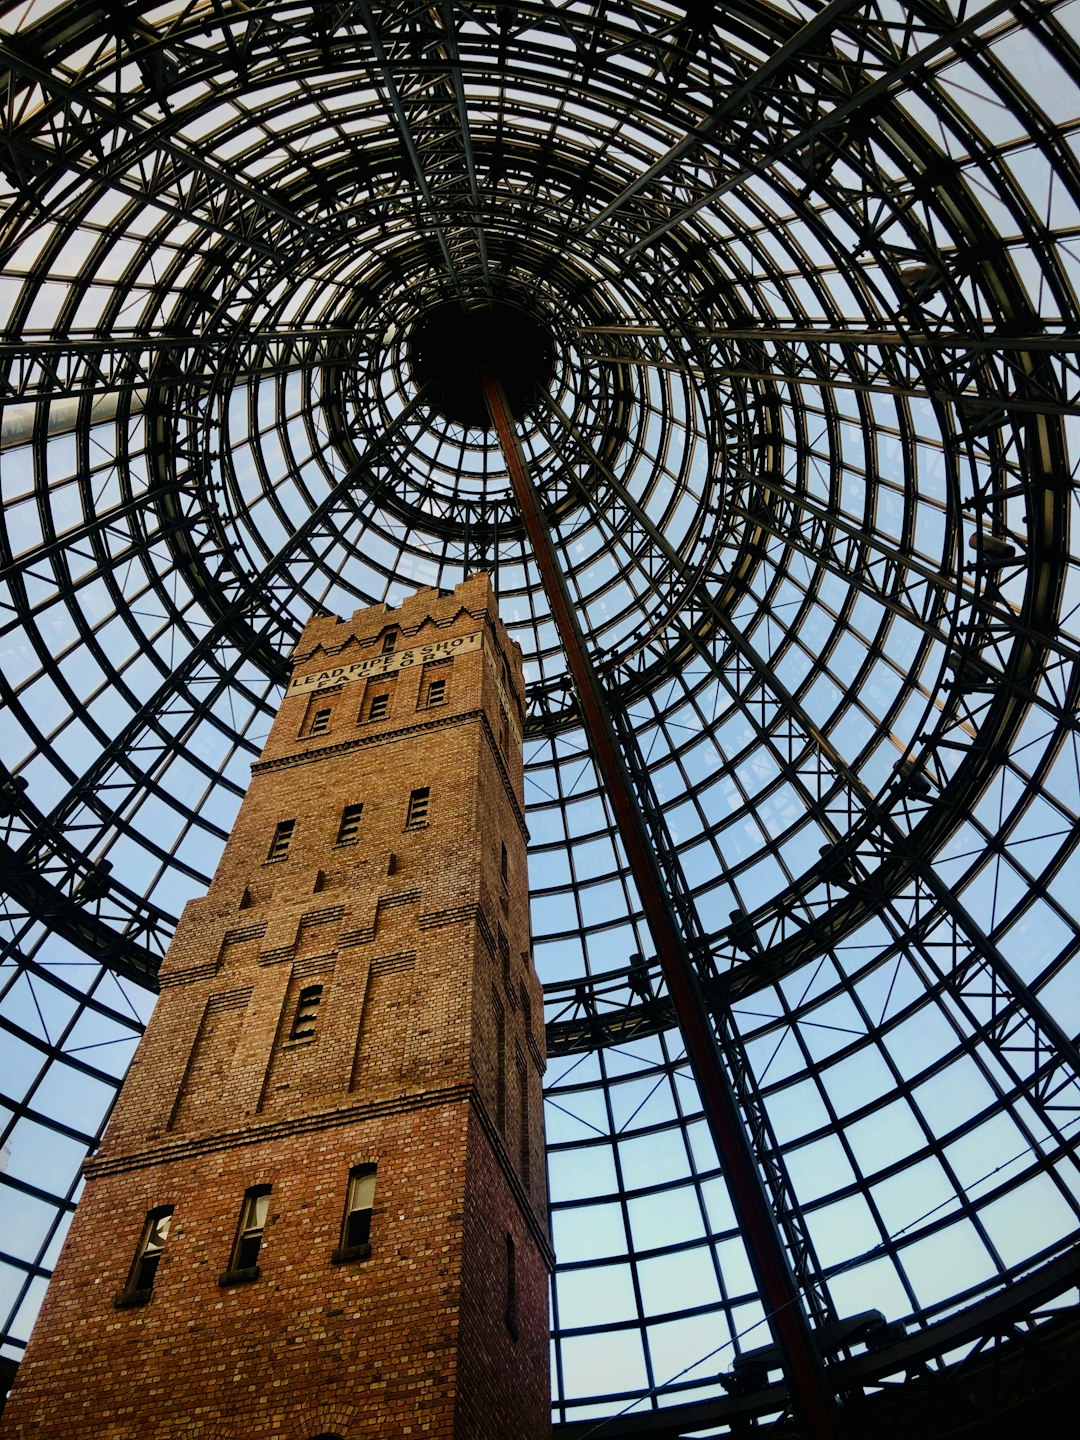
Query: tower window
(349, 829)
(147, 1258)
(356, 1223)
(307, 1012)
(320, 722)
(419, 806)
(511, 1288)
(504, 867)
(523, 1120)
(244, 1264)
(380, 706)
(389, 642)
(436, 691)
(279, 846)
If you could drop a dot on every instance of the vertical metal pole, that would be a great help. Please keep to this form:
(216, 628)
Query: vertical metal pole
(802, 1361)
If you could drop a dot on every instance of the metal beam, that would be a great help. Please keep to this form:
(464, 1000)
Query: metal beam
(409, 144)
(990, 339)
(818, 26)
(948, 43)
(802, 1363)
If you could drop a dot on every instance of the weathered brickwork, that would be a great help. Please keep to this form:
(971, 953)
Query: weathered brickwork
(354, 990)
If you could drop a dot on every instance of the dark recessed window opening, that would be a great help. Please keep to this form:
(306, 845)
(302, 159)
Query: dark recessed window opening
(523, 1120)
(511, 1288)
(244, 1263)
(504, 867)
(356, 1222)
(279, 846)
(419, 806)
(349, 829)
(147, 1257)
(436, 691)
(307, 1012)
(320, 722)
(379, 707)
(389, 642)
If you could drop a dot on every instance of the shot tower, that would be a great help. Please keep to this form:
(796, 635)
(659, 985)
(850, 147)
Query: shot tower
(319, 1209)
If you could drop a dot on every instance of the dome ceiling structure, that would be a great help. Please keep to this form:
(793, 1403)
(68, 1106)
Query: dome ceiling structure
(784, 298)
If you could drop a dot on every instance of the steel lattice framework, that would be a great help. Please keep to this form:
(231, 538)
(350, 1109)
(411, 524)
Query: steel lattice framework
(807, 463)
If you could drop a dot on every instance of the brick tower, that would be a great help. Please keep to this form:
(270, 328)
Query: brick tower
(319, 1208)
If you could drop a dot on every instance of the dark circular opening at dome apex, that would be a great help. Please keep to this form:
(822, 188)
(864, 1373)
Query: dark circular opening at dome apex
(450, 349)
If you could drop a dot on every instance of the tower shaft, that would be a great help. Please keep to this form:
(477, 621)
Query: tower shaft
(320, 1208)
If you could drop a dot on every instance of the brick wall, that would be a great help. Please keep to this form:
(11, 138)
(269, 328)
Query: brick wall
(421, 1054)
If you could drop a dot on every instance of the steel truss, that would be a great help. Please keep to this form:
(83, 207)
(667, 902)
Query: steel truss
(808, 466)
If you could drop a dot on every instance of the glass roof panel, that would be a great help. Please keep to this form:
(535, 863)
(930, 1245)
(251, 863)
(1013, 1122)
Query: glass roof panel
(804, 456)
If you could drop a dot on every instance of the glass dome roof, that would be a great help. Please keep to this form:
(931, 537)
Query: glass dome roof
(791, 290)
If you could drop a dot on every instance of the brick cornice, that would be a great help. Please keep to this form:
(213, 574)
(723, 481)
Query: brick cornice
(257, 1133)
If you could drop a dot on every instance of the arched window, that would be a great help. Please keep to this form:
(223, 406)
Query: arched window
(243, 1264)
(356, 1222)
(147, 1258)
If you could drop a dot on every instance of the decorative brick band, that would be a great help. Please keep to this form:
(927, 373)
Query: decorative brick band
(363, 742)
(393, 964)
(454, 915)
(399, 897)
(228, 1000)
(325, 916)
(255, 1134)
(254, 931)
(484, 930)
(206, 971)
(362, 935)
(314, 965)
(539, 1060)
(276, 955)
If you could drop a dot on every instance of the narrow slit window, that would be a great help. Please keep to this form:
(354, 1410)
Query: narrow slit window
(504, 956)
(307, 1013)
(320, 722)
(356, 1223)
(249, 1237)
(511, 1288)
(419, 808)
(349, 829)
(436, 691)
(504, 867)
(389, 642)
(523, 1120)
(500, 1079)
(379, 707)
(148, 1256)
(279, 846)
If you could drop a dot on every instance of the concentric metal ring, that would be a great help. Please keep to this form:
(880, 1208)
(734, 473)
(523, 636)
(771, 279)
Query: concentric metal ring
(808, 456)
